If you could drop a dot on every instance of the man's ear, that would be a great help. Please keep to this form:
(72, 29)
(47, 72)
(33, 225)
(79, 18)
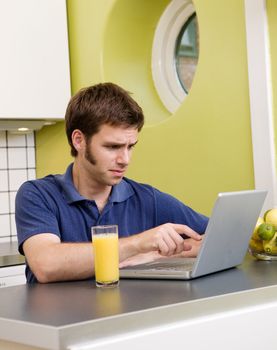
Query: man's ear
(78, 140)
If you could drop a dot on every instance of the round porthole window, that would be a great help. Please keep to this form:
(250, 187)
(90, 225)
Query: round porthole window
(175, 53)
(186, 52)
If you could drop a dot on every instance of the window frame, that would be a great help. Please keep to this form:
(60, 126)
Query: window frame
(164, 71)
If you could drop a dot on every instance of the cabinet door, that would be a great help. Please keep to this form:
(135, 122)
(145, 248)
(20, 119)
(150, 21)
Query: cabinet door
(34, 60)
(12, 276)
(12, 281)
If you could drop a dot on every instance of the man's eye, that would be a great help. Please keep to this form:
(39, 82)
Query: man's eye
(113, 146)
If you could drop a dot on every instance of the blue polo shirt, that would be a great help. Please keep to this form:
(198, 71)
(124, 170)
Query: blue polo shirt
(53, 205)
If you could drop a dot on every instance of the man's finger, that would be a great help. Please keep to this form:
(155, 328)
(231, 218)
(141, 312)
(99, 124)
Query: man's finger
(187, 247)
(163, 248)
(183, 229)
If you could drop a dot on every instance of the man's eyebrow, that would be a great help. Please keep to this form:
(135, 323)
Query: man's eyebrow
(108, 143)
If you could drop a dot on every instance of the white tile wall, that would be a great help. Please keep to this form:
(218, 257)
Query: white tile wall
(31, 174)
(17, 158)
(4, 203)
(4, 180)
(5, 230)
(16, 178)
(15, 140)
(30, 139)
(2, 138)
(17, 164)
(31, 160)
(3, 159)
(12, 201)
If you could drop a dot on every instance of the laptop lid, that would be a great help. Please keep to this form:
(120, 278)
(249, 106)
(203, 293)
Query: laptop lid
(229, 230)
(224, 245)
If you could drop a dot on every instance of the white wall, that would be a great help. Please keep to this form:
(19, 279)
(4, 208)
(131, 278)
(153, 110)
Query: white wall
(17, 164)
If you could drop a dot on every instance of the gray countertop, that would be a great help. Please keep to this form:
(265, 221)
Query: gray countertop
(9, 255)
(70, 312)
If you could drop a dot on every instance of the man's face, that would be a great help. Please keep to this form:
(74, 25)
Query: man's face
(108, 153)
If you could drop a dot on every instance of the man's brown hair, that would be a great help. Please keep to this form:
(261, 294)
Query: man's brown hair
(104, 103)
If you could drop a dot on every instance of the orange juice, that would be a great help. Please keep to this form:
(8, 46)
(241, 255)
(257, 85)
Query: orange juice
(106, 258)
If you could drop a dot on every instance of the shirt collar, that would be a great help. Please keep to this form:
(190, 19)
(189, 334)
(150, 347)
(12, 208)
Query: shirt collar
(120, 192)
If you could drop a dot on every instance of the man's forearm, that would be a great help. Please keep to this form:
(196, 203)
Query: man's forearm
(72, 261)
(63, 261)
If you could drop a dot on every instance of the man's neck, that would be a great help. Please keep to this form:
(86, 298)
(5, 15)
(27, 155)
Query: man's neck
(89, 188)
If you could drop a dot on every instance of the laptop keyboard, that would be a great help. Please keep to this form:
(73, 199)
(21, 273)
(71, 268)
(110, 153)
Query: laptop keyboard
(171, 265)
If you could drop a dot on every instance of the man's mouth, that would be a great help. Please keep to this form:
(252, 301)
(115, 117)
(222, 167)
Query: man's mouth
(118, 172)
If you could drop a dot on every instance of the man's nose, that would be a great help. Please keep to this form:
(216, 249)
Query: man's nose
(123, 156)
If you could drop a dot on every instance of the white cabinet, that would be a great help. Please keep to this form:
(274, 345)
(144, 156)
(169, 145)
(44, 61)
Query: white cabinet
(34, 59)
(12, 276)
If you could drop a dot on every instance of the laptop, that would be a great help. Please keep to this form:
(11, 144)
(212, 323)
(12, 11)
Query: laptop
(224, 245)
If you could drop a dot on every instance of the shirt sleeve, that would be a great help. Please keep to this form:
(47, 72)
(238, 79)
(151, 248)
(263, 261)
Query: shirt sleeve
(33, 215)
(170, 209)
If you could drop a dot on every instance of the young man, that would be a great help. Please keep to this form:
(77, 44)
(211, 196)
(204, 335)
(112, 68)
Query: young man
(54, 215)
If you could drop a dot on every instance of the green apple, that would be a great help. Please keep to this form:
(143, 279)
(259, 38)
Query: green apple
(266, 231)
(255, 235)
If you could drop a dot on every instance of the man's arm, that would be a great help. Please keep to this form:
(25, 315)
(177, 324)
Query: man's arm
(50, 260)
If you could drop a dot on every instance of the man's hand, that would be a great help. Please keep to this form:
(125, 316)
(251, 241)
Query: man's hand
(193, 252)
(142, 258)
(191, 248)
(165, 239)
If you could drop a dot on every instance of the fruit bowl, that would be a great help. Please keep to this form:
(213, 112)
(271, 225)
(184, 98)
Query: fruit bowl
(263, 243)
(262, 256)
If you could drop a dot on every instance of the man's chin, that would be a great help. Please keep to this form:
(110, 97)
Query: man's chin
(116, 180)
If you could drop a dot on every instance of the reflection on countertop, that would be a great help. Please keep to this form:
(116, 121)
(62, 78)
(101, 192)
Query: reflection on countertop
(9, 255)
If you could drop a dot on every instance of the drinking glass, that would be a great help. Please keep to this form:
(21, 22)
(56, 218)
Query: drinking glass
(106, 255)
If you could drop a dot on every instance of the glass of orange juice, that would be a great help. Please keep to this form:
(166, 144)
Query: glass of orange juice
(106, 255)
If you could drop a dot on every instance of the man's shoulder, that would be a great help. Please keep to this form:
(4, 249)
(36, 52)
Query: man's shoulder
(47, 183)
